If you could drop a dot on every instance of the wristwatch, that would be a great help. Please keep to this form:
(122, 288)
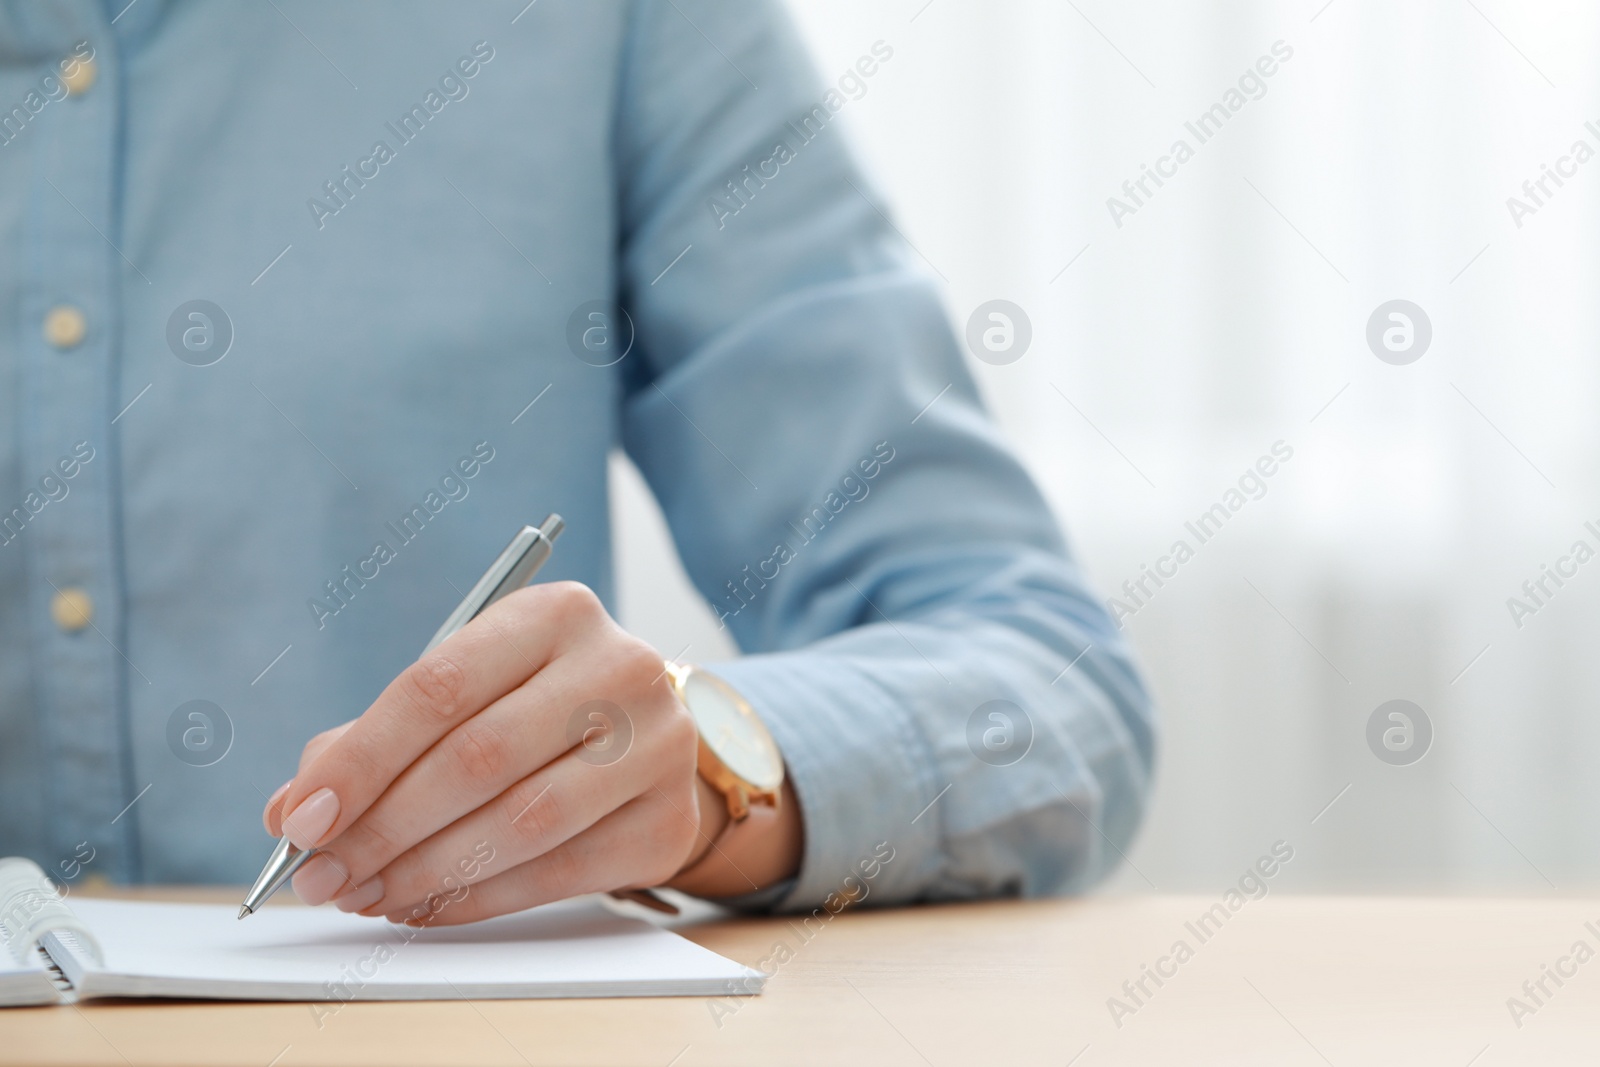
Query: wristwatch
(739, 759)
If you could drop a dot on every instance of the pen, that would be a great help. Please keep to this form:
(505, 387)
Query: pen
(513, 569)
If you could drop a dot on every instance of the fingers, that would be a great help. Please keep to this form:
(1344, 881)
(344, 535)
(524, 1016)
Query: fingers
(491, 656)
(467, 768)
(523, 731)
(273, 815)
(476, 762)
(534, 816)
(633, 847)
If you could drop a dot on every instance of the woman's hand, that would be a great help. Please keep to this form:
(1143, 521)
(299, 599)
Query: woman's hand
(537, 754)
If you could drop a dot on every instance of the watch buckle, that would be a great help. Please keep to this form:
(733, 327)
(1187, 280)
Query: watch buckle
(738, 803)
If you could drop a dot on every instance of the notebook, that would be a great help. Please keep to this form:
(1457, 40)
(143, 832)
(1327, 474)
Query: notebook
(53, 952)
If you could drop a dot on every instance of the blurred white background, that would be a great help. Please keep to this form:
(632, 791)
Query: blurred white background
(1230, 312)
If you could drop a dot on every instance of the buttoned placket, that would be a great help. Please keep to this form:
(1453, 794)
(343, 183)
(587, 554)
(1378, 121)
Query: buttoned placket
(73, 273)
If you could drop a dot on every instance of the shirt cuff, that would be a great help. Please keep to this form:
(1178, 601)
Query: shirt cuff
(860, 771)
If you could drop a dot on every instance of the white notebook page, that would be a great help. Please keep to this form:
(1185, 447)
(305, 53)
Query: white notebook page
(575, 948)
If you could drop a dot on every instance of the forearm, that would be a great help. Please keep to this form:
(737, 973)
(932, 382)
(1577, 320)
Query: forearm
(884, 729)
(814, 437)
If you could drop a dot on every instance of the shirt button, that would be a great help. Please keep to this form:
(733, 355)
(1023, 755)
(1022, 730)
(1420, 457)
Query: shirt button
(78, 76)
(71, 609)
(64, 326)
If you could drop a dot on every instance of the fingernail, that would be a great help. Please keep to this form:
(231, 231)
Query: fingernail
(364, 895)
(315, 816)
(272, 804)
(319, 879)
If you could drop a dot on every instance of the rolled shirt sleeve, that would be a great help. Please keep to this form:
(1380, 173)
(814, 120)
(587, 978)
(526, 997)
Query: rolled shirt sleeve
(930, 659)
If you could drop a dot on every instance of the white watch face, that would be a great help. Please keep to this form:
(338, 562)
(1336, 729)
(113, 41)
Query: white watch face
(731, 729)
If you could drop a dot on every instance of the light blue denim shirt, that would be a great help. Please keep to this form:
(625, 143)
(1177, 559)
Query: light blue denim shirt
(306, 307)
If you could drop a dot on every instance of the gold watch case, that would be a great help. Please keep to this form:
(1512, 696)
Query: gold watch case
(738, 757)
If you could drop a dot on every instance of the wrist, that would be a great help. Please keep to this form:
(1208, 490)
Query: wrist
(713, 820)
(734, 859)
(748, 821)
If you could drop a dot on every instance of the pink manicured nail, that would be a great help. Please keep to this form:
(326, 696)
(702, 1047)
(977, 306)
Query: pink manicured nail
(277, 795)
(319, 879)
(365, 895)
(306, 824)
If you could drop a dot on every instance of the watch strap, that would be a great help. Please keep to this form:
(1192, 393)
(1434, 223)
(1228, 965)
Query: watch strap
(716, 868)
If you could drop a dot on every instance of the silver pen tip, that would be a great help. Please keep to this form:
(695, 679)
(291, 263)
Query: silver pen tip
(245, 911)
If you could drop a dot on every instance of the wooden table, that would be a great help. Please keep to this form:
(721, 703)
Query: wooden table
(1284, 981)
